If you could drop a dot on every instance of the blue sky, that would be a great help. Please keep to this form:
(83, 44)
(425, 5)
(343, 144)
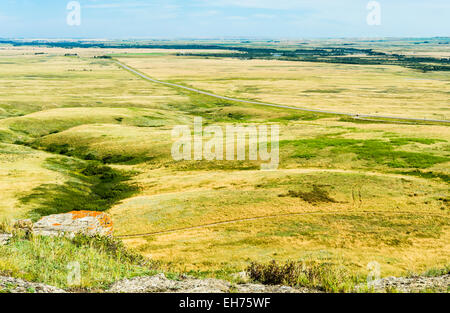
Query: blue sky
(223, 19)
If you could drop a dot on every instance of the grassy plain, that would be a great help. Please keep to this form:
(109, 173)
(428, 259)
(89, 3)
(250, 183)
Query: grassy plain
(346, 192)
(359, 89)
(33, 83)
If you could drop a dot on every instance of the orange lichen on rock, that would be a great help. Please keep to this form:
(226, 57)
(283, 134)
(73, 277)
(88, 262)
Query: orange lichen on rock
(103, 219)
(85, 222)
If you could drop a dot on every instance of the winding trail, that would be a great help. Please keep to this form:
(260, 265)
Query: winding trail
(353, 115)
(163, 232)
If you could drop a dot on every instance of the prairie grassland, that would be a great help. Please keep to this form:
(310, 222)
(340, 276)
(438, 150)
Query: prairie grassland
(399, 243)
(341, 214)
(379, 90)
(346, 192)
(34, 83)
(240, 195)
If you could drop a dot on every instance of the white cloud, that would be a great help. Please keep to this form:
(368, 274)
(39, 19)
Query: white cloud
(261, 4)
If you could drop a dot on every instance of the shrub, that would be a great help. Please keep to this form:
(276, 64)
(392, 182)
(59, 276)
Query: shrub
(324, 276)
(113, 247)
(317, 195)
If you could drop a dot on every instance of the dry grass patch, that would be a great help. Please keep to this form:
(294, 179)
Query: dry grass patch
(396, 241)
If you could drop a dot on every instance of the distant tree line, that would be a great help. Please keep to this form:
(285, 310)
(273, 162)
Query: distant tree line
(341, 55)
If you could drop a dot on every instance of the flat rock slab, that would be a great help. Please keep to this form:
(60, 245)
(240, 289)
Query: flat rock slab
(4, 239)
(89, 223)
(160, 284)
(15, 285)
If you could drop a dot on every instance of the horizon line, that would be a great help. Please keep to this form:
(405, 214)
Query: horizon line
(227, 38)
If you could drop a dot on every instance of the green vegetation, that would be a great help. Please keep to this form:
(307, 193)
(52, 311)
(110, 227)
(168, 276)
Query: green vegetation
(47, 259)
(424, 174)
(92, 187)
(339, 56)
(323, 276)
(435, 272)
(376, 151)
(299, 117)
(84, 154)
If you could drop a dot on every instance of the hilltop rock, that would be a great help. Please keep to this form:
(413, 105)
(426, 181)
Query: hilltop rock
(159, 283)
(89, 223)
(15, 285)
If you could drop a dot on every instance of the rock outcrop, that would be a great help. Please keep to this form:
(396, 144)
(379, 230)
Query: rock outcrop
(411, 284)
(15, 285)
(89, 223)
(159, 283)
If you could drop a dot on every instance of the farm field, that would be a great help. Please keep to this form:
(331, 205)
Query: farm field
(346, 192)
